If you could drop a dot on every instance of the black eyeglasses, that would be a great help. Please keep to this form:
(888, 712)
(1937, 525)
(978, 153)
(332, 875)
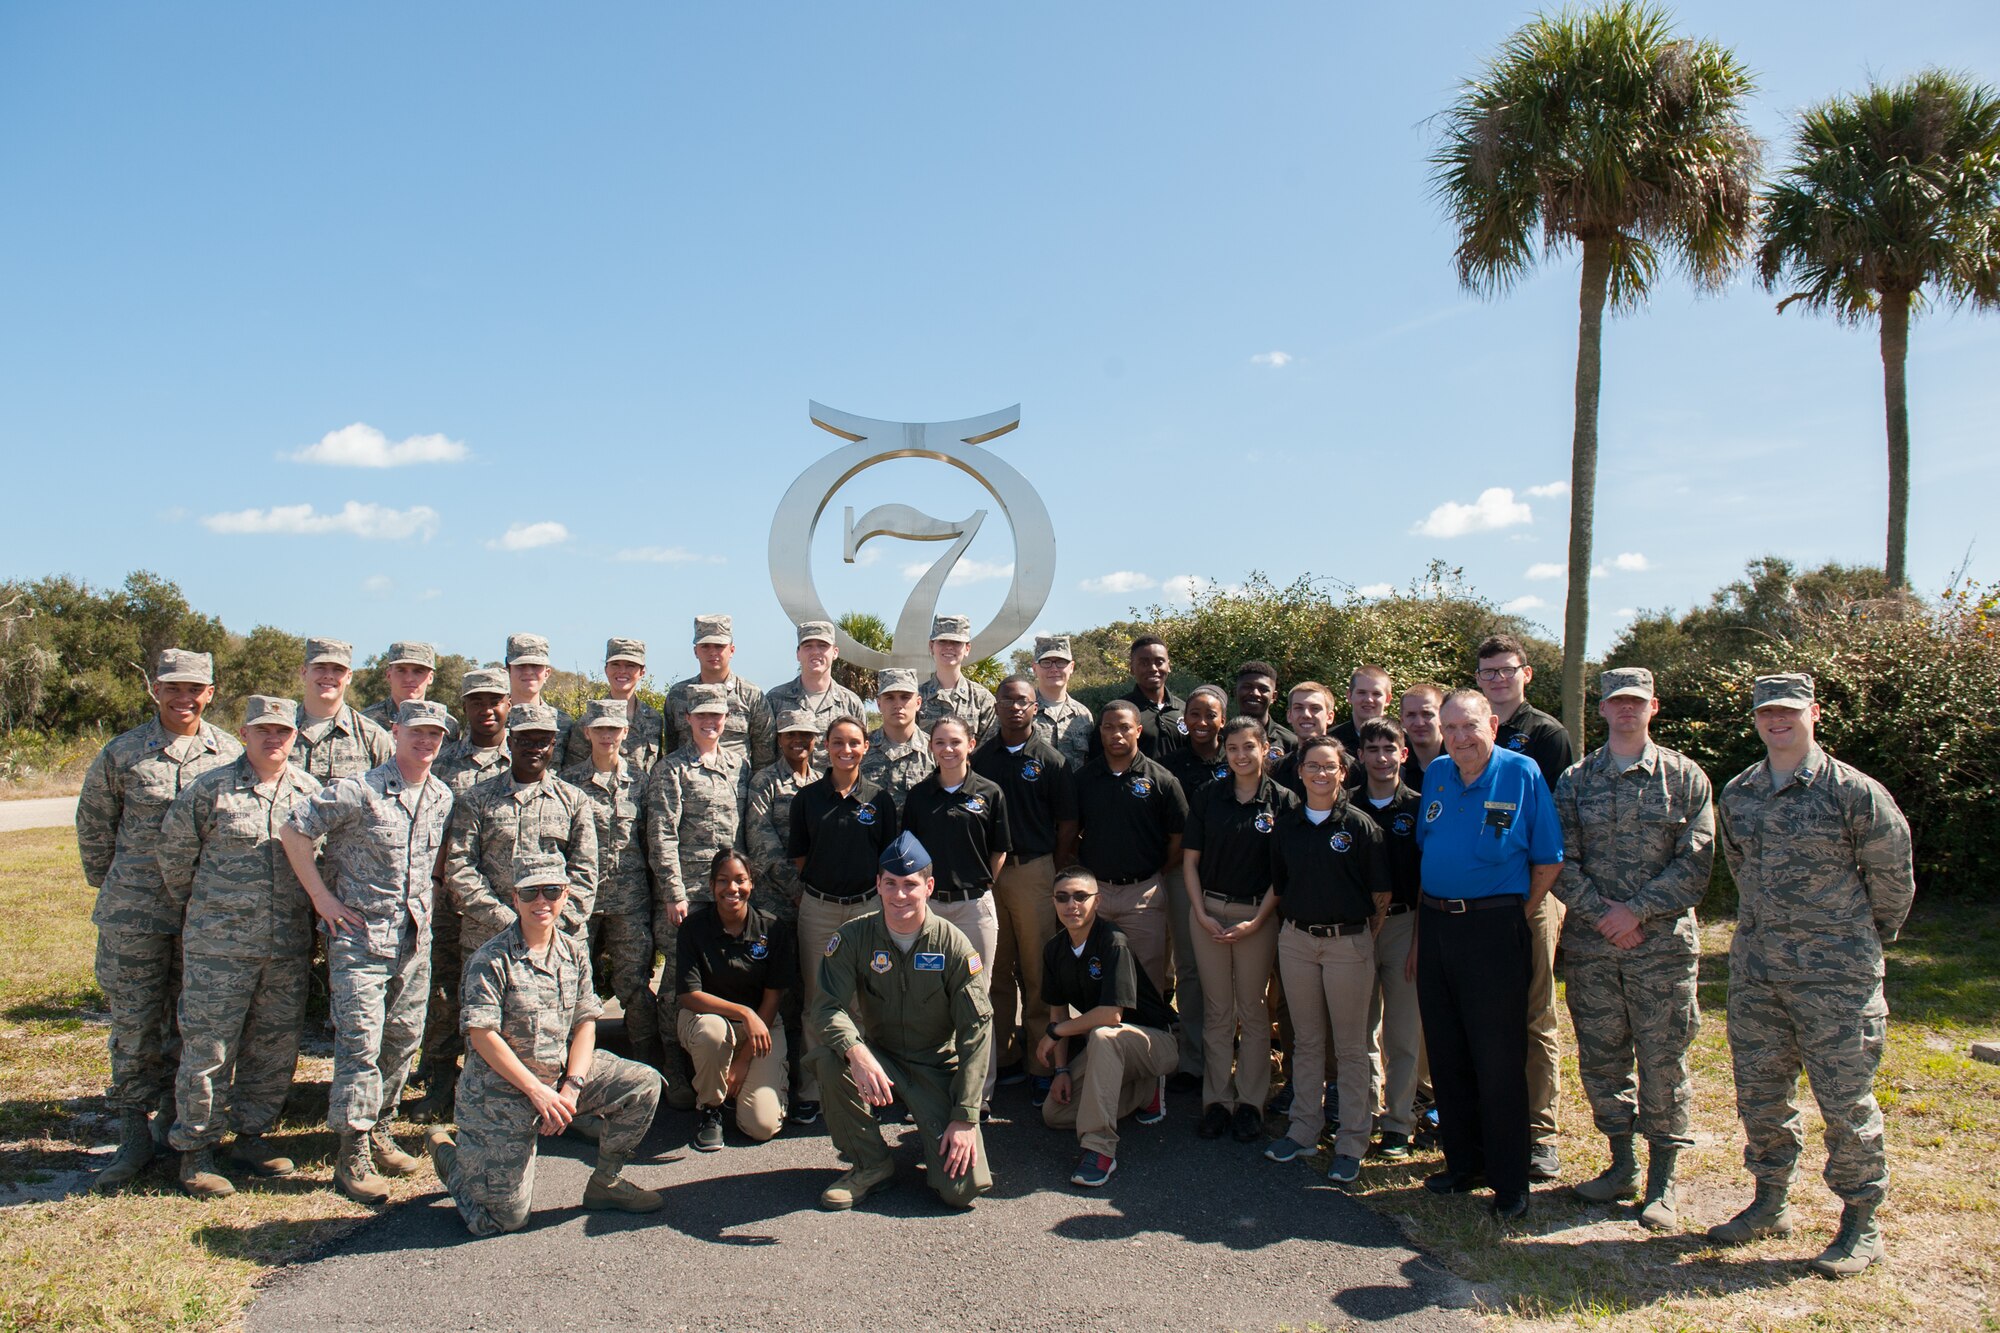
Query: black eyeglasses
(1065, 899)
(534, 891)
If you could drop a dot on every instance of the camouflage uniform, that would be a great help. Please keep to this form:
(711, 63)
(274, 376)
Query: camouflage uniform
(345, 745)
(382, 841)
(643, 746)
(246, 944)
(747, 733)
(1067, 726)
(835, 701)
(535, 1005)
(496, 823)
(1643, 837)
(968, 701)
(767, 829)
(694, 809)
(383, 714)
(125, 796)
(897, 768)
(621, 922)
(461, 766)
(1823, 878)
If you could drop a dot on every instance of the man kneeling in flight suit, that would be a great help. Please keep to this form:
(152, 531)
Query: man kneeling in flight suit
(901, 1013)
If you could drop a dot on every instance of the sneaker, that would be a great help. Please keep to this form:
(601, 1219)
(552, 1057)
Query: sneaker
(1544, 1162)
(1214, 1121)
(1010, 1075)
(1391, 1147)
(708, 1134)
(1247, 1125)
(1153, 1112)
(1344, 1170)
(1284, 1150)
(805, 1112)
(1092, 1169)
(1039, 1088)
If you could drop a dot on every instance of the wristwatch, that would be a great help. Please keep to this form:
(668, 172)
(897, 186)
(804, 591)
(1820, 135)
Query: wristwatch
(1055, 1035)
(569, 1078)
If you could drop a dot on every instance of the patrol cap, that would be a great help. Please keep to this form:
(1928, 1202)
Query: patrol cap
(707, 699)
(527, 650)
(1623, 681)
(606, 713)
(713, 629)
(891, 679)
(423, 713)
(539, 868)
(329, 650)
(1053, 645)
(417, 654)
(625, 650)
(796, 719)
(1790, 689)
(952, 629)
(270, 711)
(816, 629)
(531, 717)
(179, 666)
(485, 680)
(905, 856)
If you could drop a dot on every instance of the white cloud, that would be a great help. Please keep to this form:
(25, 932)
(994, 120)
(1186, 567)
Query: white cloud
(1376, 589)
(1624, 613)
(371, 522)
(361, 445)
(1519, 604)
(665, 555)
(1184, 588)
(1550, 490)
(377, 584)
(1274, 359)
(1118, 581)
(965, 571)
(1631, 562)
(1496, 508)
(1546, 571)
(528, 536)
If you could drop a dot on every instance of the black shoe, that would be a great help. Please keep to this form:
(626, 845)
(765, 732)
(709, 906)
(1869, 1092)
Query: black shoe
(1039, 1086)
(805, 1112)
(1282, 1103)
(1247, 1125)
(1391, 1147)
(1544, 1163)
(1214, 1121)
(1454, 1182)
(1510, 1207)
(1010, 1075)
(1183, 1082)
(708, 1134)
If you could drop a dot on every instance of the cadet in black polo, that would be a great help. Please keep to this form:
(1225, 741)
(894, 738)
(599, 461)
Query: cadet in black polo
(1130, 814)
(1102, 973)
(1162, 728)
(1206, 712)
(962, 829)
(1040, 791)
(1394, 1021)
(737, 968)
(837, 840)
(1322, 880)
(1234, 838)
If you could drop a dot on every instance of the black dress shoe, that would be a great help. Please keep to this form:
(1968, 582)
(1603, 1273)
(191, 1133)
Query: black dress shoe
(1511, 1207)
(1454, 1182)
(1247, 1125)
(1214, 1121)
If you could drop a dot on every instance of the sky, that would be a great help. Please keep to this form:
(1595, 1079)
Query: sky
(384, 321)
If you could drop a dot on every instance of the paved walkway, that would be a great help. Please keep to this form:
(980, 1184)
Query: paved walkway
(49, 812)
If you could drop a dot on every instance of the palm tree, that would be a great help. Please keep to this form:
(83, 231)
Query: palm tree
(1890, 192)
(870, 631)
(1601, 130)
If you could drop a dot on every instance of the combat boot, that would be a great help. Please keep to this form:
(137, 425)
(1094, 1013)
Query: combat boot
(200, 1178)
(1620, 1180)
(136, 1150)
(1661, 1210)
(254, 1154)
(680, 1088)
(440, 1100)
(1857, 1244)
(607, 1189)
(389, 1157)
(1767, 1215)
(856, 1185)
(354, 1170)
(163, 1121)
(444, 1155)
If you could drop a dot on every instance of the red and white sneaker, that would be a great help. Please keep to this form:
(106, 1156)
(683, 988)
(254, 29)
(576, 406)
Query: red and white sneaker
(1153, 1112)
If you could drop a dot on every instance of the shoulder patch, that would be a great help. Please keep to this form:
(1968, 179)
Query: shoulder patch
(1432, 811)
(973, 965)
(927, 962)
(833, 944)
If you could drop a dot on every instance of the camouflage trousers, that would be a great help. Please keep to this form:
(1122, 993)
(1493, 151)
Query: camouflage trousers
(1834, 1031)
(493, 1178)
(443, 1043)
(1636, 1015)
(625, 939)
(668, 1007)
(378, 1021)
(139, 972)
(240, 1021)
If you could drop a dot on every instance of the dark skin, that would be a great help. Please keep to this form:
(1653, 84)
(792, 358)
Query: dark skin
(1254, 696)
(1014, 706)
(486, 719)
(797, 748)
(530, 751)
(1149, 668)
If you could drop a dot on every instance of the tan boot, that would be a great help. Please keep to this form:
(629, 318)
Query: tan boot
(856, 1185)
(200, 1177)
(1857, 1245)
(608, 1190)
(1661, 1209)
(354, 1170)
(390, 1159)
(1620, 1180)
(254, 1153)
(1767, 1215)
(444, 1155)
(136, 1150)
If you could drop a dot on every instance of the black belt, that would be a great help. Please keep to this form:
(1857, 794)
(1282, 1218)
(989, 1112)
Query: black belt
(1458, 906)
(1231, 898)
(836, 898)
(1126, 883)
(1397, 909)
(1338, 928)
(957, 895)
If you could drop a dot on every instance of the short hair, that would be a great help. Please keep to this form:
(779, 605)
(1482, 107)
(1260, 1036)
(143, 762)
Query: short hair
(952, 720)
(1499, 645)
(1146, 641)
(1118, 706)
(1249, 724)
(1074, 875)
(1467, 697)
(1378, 729)
(1426, 687)
(1326, 742)
(1018, 678)
(1256, 668)
(721, 863)
(1315, 687)
(1210, 692)
(851, 721)
(1369, 669)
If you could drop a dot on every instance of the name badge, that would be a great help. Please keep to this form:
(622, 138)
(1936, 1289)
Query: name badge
(1501, 805)
(929, 962)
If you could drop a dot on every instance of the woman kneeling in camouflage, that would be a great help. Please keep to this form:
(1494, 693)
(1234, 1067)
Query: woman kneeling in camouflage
(530, 1020)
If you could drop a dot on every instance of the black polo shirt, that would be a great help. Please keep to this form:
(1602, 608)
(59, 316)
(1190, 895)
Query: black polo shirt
(1194, 773)
(841, 837)
(1127, 818)
(1398, 822)
(1540, 737)
(1040, 788)
(1326, 874)
(1349, 737)
(1234, 837)
(1162, 729)
(736, 968)
(961, 830)
(1283, 740)
(1286, 775)
(1104, 973)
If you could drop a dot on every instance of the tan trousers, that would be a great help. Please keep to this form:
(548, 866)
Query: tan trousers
(1235, 980)
(1544, 1042)
(1027, 923)
(710, 1041)
(1395, 1029)
(979, 920)
(1140, 910)
(818, 920)
(1116, 1072)
(1186, 996)
(1327, 985)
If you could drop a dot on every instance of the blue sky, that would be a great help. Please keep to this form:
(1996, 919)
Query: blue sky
(594, 262)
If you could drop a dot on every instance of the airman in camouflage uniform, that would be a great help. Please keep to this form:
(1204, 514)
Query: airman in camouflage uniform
(247, 943)
(383, 832)
(1062, 721)
(335, 740)
(125, 795)
(1822, 861)
(645, 735)
(748, 730)
(526, 809)
(528, 670)
(409, 668)
(767, 830)
(897, 765)
(1638, 825)
(814, 691)
(530, 1019)
(621, 923)
(965, 698)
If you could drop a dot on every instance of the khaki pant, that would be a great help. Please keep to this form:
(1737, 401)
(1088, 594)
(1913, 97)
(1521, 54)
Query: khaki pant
(818, 920)
(979, 920)
(1140, 910)
(1544, 1043)
(1027, 923)
(1116, 1072)
(711, 1041)
(1235, 979)
(1186, 995)
(1395, 1029)
(1327, 985)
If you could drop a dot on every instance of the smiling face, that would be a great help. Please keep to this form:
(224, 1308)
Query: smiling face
(816, 658)
(530, 751)
(1787, 733)
(1076, 903)
(1254, 695)
(903, 899)
(1245, 751)
(1324, 775)
(421, 744)
(732, 887)
(950, 746)
(1150, 668)
(182, 703)
(623, 677)
(408, 680)
(1307, 713)
(707, 728)
(527, 679)
(1053, 674)
(846, 745)
(539, 909)
(1383, 759)
(1367, 696)
(1203, 716)
(326, 683)
(948, 654)
(486, 718)
(1469, 732)
(796, 746)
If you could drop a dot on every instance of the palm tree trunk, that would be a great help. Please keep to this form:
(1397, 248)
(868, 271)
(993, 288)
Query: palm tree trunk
(1896, 406)
(1583, 477)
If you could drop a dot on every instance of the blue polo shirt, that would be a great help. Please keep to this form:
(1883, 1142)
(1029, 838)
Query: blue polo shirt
(1478, 841)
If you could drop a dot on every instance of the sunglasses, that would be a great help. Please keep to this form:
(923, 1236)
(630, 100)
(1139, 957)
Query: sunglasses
(1065, 899)
(534, 891)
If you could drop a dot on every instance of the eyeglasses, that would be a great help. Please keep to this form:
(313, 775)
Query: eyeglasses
(534, 891)
(1065, 899)
(1499, 673)
(1319, 770)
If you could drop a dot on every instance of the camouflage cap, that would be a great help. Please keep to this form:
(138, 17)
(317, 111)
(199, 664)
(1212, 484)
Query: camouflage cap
(531, 717)
(329, 650)
(423, 713)
(707, 699)
(417, 654)
(271, 711)
(1620, 681)
(952, 629)
(1053, 645)
(816, 629)
(536, 868)
(625, 650)
(713, 629)
(889, 680)
(1790, 689)
(485, 680)
(606, 713)
(527, 650)
(178, 665)
(796, 719)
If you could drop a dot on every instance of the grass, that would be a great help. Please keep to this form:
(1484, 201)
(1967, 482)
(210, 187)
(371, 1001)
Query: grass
(38, 764)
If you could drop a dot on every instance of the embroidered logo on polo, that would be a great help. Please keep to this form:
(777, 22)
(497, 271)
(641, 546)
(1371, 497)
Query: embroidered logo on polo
(929, 962)
(1263, 822)
(1432, 811)
(975, 805)
(1140, 787)
(1402, 826)
(1517, 742)
(760, 947)
(864, 813)
(1096, 970)
(1341, 841)
(1030, 769)
(1276, 752)
(880, 962)
(1221, 772)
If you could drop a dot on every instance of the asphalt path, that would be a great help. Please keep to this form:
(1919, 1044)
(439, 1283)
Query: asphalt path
(49, 812)
(1187, 1235)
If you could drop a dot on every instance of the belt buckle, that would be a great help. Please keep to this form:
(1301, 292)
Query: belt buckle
(1459, 907)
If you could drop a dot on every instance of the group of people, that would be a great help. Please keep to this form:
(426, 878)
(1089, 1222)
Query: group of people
(989, 886)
